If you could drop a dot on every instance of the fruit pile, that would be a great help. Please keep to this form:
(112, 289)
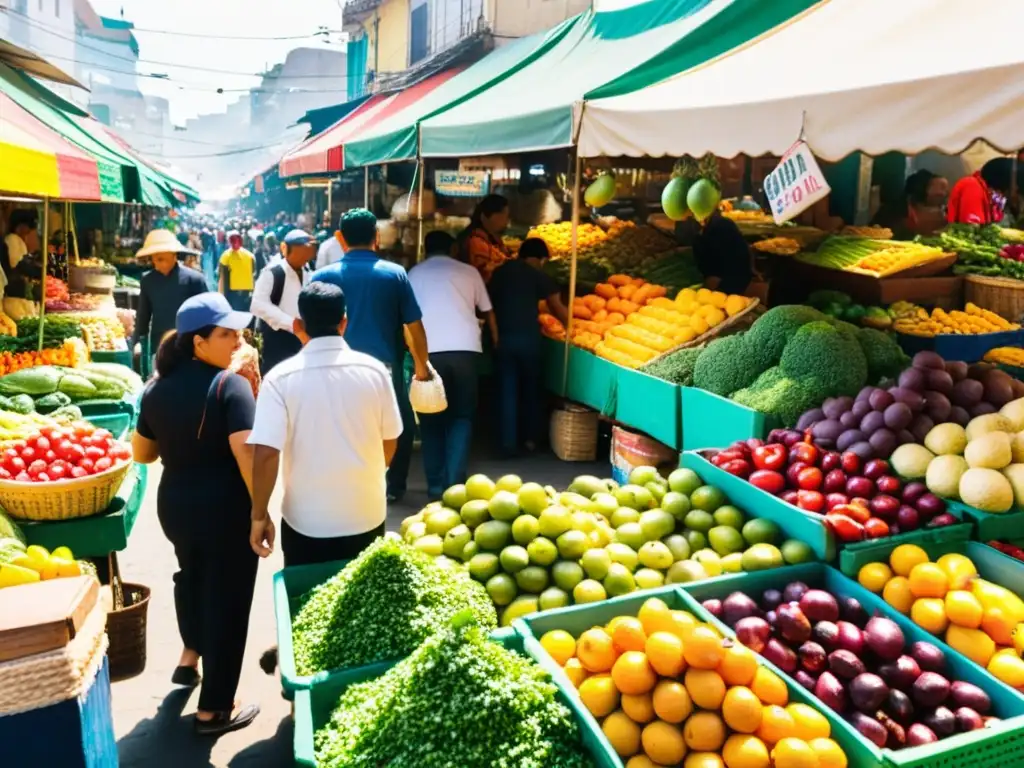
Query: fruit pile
(535, 549)
(859, 499)
(1011, 549)
(1006, 356)
(669, 691)
(102, 332)
(63, 453)
(981, 620)
(931, 391)
(558, 237)
(23, 565)
(70, 354)
(878, 258)
(973, 320)
(858, 665)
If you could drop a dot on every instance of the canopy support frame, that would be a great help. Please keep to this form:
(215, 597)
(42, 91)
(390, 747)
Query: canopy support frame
(577, 169)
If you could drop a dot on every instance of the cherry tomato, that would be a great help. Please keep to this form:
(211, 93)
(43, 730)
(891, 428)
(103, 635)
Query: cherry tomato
(5, 475)
(36, 467)
(770, 457)
(82, 430)
(102, 465)
(23, 477)
(28, 453)
(42, 444)
(811, 501)
(809, 479)
(844, 528)
(49, 457)
(876, 529)
(19, 445)
(738, 467)
(57, 472)
(101, 434)
(77, 453)
(805, 452)
(78, 472)
(768, 481)
(42, 477)
(793, 472)
(855, 512)
(16, 465)
(87, 464)
(92, 452)
(851, 463)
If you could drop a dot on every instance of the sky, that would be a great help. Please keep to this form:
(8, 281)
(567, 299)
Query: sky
(193, 90)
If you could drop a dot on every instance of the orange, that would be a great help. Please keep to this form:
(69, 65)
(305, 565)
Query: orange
(639, 707)
(704, 732)
(629, 635)
(682, 624)
(743, 751)
(930, 613)
(641, 761)
(599, 695)
(776, 724)
(810, 723)
(964, 609)
(671, 701)
(928, 580)
(632, 673)
(560, 645)
(663, 743)
(741, 709)
(665, 653)
(595, 651)
(575, 672)
(703, 649)
(739, 665)
(972, 643)
(622, 733)
(873, 576)
(703, 760)
(655, 616)
(611, 625)
(830, 755)
(959, 569)
(769, 687)
(998, 624)
(794, 753)
(1007, 667)
(897, 594)
(905, 557)
(706, 688)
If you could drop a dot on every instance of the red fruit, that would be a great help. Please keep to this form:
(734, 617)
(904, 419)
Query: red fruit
(771, 457)
(856, 512)
(835, 481)
(812, 501)
(77, 472)
(23, 477)
(875, 468)
(833, 500)
(768, 481)
(57, 472)
(793, 473)
(844, 528)
(28, 453)
(16, 465)
(876, 529)
(789, 496)
(941, 521)
(42, 444)
(5, 475)
(885, 507)
(851, 463)
(805, 452)
(831, 460)
(809, 479)
(92, 452)
(738, 467)
(87, 464)
(908, 518)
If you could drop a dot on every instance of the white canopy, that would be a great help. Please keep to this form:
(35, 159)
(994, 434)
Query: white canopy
(868, 75)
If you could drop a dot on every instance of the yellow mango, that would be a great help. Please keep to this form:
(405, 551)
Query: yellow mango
(15, 575)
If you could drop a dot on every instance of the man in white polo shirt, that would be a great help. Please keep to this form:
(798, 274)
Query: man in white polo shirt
(452, 296)
(332, 412)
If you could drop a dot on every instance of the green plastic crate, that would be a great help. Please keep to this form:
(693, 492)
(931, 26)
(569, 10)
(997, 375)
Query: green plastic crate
(710, 421)
(554, 366)
(593, 381)
(313, 707)
(989, 526)
(122, 357)
(855, 555)
(118, 424)
(796, 523)
(1001, 745)
(649, 404)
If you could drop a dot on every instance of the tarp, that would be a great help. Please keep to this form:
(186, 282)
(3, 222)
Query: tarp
(326, 153)
(868, 75)
(396, 138)
(319, 120)
(615, 51)
(179, 190)
(21, 58)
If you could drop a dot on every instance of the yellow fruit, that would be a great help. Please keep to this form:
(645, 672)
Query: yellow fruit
(641, 761)
(743, 751)
(998, 626)
(595, 651)
(665, 653)
(599, 695)
(682, 624)
(810, 723)
(776, 724)
(959, 570)
(639, 707)
(622, 733)
(874, 576)
(633, 674)
(629, 635)
(37, 553)
(905, 557)
(14, 575)
(930, 614)
(671, 701)
(611, 625)
(1018, 639)
(655, 616)
(794, 753)
(963, 608)
(49, 569)
(575, 672)
(704, 732)
(830, 754)
(994, 596)
(560, 645)
(703, 649)
(972, 643)
(703, 760)
(897, 593)
(739, 665)
(741, 709)
(736, 304)
(769, 687)
(1009, 668)
(663, 743)
(928, 580)
(63, 553)
(706, 688)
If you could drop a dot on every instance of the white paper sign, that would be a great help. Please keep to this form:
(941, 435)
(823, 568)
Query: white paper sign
(462, 183)
(796, 184)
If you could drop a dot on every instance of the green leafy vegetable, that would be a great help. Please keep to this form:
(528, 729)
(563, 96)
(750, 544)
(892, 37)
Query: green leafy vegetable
(726, 365)
(676, 367)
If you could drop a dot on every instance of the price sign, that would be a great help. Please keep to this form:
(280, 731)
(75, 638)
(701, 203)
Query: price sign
(796, 184)
(462, 183)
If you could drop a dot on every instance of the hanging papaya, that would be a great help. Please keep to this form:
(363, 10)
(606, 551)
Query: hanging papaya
(703, 198)
(673, 199)
(601, 191)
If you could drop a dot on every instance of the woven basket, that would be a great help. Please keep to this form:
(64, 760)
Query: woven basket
(126, 624)
(574, 433)
(63, 499)
(1002, 295)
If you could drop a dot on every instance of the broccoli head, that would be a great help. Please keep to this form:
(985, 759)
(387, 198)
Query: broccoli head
(725, 365)
(676, 367)
(776, 394)
(849, 330)
(886, 359)
(820, 351)
(768, 335)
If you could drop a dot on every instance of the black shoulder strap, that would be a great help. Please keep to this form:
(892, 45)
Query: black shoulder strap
(216, 387)
(277, 270)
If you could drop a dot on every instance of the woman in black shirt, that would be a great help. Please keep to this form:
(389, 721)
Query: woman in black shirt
(195, 417)
(721, 252)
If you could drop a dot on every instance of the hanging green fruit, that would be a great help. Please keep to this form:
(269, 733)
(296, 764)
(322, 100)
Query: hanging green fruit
(707, 168)
(685, 168)
(601, 191)
(702, 198)
(673, 198)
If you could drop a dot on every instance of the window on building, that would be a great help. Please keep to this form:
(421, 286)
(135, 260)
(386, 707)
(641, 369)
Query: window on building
(418, 34)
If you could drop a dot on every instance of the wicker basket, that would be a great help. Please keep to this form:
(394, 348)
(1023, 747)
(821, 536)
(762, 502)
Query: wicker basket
(126, 625)
(63, 499)
(1002, 295)
(574, 433)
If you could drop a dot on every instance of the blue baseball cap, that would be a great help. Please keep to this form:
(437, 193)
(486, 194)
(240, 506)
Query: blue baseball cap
(209, 309)
(297, 237)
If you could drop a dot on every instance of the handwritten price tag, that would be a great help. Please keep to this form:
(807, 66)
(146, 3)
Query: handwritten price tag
(796, 184)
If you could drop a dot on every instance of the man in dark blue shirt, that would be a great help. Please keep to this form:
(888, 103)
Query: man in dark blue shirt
(382, 309)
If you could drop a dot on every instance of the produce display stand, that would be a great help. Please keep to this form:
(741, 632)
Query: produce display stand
(651, 405)
(122, 357)
(711, 421)
(988, 525)
(991, 747)
(592, 381)
(969, 348)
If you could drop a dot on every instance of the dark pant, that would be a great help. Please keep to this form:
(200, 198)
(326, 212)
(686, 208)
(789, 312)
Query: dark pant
(278, 346)
(239, 300)
(303, 550)
(398, 472)
(520, 397)
(213, 591)
(446, 435)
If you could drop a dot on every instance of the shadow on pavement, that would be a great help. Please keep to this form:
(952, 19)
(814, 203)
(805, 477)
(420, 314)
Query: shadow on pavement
(167, 739)
(275, 751)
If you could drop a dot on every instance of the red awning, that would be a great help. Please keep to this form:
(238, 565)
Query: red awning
(325, 152)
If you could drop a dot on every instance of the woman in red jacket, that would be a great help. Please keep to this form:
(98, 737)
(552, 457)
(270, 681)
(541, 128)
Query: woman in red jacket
(981, 197)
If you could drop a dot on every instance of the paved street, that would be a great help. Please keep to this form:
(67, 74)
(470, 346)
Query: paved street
(153, 720)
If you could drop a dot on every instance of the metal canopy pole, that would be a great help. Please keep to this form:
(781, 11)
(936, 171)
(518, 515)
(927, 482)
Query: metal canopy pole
(46, 252)
(572, 266)
(366, 187)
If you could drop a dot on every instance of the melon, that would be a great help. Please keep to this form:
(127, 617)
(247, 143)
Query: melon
(702, 198)
(673, 198)
(601, 191)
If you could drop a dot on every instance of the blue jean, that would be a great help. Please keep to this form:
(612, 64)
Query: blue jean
(398, 472)
(520, 391)
(447, 435)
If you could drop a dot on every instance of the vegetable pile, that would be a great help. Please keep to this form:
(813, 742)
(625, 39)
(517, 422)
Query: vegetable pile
(979, 251)
(91, 381)
(62, 454)
(458, 700)
(381, 606)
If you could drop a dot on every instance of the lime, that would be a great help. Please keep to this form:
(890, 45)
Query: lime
(417, 518)
(456, 539)
(732, 563)
(589, 591)
(601, 536)
(542, 551)
(624, 515)
(455, 496)
(573, 500)
(605, 503)
(619, 580)
(553, 597)
(514, 558)
(622, 554)
(572, 544)
(795, 551)
(684, 481)
(479, 487)
(471, 550)
(532, 579)
(676, 504)
(554, 521)
(566, 574)
(504, 505)
(492, 535)
(533, 498)
(523, 605)
(710, 561)
(657, 490)
(431, 544)
(699, 520)
(655, 554)
(473, 513)
(761, 531)
(630, 534)
(588, 486)
(643, 475)
(685, 571)
(696, 540)
(584, 521)
(415, 531)
(595, 562)
(525, 529)
(725, 540)
(647, 578)
(678, 546)
(634, 496)
(502, 589)
(730, 516)
(656, 524)
(761, 557)
(708, 498)
(510, 483)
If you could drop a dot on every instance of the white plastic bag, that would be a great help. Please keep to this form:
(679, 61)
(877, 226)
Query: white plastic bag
(428, 396)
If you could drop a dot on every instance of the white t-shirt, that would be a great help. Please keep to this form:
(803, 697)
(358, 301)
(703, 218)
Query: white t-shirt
(16, 249)
(329, 252)
(329, 409)
(282, 316)
(449, 294)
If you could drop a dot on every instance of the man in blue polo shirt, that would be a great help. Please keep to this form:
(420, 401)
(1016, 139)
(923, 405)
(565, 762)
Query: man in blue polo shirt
(381, 307)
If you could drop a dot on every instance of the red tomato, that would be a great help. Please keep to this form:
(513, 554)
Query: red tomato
(36, 467)
(42, 444)
(768, 481)
(92, 452)
(28, 453)
(16, 465)
(120, 452)
(844, 528)
(5, 475)
(87, 464)
(18, 445)
(812, 501)
(49, 457)
(77, 453)
(876, 529)
(851, 463)
(771, 457)
(809, 479)
(738, 467)
(793, 472)
(101, 434)
(42, 477)
(78, 472)
(57, 472)
(102, 465)
(81, 430)
(55, 435)
(22, 477)
(805, 452)
(855, 512)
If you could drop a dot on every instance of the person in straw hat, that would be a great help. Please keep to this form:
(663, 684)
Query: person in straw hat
(165, 288)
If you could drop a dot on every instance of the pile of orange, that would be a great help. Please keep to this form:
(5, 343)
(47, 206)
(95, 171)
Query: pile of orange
(668, 690)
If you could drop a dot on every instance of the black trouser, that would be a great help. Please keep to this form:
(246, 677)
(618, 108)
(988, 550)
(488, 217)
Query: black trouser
(398, 472)
(447, 435)
(521, 393)
(304, 550)
(278, 346)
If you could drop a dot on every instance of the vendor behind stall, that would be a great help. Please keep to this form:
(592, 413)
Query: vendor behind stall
(19, 267)
(919, 212)
(721, 252)
(981, 197)
(480, 245)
